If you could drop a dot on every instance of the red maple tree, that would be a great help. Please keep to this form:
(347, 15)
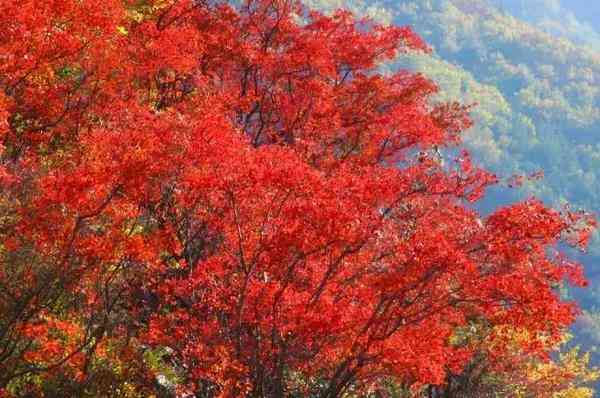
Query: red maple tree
(242, 187)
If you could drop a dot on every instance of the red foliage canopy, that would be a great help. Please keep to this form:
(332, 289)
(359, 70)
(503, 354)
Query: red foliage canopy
(242, 185)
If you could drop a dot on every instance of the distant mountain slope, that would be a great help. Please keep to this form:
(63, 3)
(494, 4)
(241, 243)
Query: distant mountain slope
(551, 86)
(577, 20)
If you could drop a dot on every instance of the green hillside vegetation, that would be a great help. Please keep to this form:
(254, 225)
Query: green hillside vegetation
(552, 117)
(576, 20)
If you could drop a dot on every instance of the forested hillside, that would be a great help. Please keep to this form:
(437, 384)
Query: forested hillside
(577, 20)
(546, 115)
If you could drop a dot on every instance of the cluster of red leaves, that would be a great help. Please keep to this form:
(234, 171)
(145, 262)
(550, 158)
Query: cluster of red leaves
(241, 185)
